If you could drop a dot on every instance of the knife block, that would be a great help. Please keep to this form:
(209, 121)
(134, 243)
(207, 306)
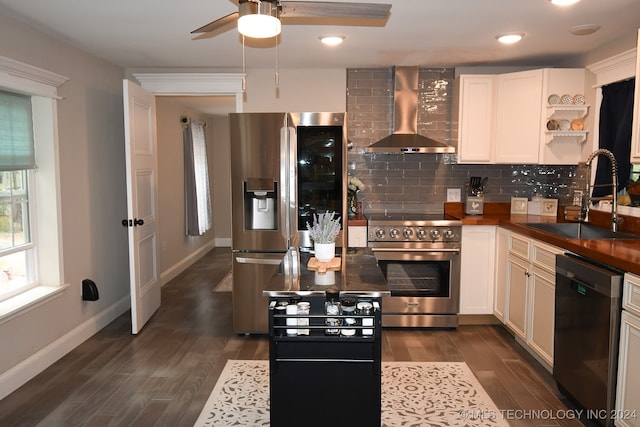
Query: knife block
(473, 205)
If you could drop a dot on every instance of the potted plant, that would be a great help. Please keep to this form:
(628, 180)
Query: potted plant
(324, 231)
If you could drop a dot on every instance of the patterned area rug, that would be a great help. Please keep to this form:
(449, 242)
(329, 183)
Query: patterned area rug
(414, 394)
(224, 285)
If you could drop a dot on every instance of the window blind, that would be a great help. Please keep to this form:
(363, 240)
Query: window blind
(16, 132)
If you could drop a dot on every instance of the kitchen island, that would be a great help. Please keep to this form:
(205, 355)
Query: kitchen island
(325, 360)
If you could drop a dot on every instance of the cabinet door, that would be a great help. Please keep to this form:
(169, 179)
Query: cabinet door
(628, 388)
(635, 135)
(476, 118)
(477, 269)
(517, 278)
(502, 255)
(542, 306)
(518, 124)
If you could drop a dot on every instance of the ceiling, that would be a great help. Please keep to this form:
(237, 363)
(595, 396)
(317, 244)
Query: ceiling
(156, 34)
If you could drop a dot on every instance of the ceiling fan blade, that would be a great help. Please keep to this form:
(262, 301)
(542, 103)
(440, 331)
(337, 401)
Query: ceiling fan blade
(320, 9)
(218, 23)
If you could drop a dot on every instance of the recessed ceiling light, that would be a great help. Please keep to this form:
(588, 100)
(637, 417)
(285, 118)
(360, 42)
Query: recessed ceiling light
(332, 40)
(564, 2)
(509, 38)
(583, 30)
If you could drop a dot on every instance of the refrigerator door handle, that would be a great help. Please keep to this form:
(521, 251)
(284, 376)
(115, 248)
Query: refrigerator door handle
(289, 205)
(285, 179)
(295, 265)
(243, 260)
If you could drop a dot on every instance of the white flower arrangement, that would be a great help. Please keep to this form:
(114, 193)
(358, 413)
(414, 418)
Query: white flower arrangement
(325, 228)
(354, 184)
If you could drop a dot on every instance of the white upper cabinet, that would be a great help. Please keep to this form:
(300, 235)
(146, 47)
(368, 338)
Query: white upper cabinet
(635, 133)
(505, 118)
(518, 117)
(476, 118)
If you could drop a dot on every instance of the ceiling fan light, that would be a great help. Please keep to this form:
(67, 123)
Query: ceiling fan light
(564, 2)
(259, 19)
(509, 38)
(332, 40)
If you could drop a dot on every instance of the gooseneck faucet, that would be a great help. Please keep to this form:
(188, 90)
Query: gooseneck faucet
(614, 187)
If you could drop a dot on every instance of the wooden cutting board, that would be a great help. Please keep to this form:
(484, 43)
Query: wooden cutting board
(323, 267)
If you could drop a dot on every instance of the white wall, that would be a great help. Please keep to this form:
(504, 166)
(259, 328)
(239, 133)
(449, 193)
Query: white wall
(93, 198)
(298, 90)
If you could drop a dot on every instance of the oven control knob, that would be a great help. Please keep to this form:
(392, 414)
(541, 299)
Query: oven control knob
(380, 233)
(434, 233)
(408, 233)
(449, 234)
(421, 233)
(394, 233)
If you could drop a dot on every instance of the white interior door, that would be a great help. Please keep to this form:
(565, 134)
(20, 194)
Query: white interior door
(142, 202)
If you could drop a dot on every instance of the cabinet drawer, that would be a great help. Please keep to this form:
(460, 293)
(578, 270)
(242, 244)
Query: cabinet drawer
(631, 293)
(544, 256)
(519, 245)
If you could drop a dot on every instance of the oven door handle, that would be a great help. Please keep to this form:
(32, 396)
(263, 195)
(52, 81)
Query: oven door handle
(414, 250)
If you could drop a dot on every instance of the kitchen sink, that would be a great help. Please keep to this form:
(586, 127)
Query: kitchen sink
(577, 230)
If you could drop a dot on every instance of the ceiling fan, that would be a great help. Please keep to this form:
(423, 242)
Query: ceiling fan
(252, 14)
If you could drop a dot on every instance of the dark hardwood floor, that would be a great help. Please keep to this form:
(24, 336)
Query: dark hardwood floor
(164, 375)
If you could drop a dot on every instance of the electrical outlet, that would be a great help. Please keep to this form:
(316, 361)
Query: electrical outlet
(453, 195)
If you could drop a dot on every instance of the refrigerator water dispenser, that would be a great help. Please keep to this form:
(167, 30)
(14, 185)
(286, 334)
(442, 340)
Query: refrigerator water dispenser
(260, 207)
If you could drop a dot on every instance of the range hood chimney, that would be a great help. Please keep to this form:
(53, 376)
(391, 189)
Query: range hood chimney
(405, 137)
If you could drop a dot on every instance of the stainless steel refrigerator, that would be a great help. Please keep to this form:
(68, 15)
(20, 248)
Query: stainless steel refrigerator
(284, 168)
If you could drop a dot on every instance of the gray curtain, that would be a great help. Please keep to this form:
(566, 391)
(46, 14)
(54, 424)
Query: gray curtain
(196, 180)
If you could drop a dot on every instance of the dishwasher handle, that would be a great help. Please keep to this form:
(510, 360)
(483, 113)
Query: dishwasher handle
(587, 276)
(580, 285)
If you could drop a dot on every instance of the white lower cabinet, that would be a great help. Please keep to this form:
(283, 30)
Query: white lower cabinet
(542, 305)
(517, 282)
(628, 388)
(477, 269)
(500, 290)
(530, 294)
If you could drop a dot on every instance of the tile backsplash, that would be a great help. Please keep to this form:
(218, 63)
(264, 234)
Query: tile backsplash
(419, 182)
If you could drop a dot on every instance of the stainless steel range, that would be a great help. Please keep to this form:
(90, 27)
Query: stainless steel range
(420, 258)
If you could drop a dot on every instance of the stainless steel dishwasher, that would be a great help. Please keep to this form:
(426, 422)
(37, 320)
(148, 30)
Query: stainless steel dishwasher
(587, 329)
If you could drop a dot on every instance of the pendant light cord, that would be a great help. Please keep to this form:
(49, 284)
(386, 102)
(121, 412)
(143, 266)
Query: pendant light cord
(244, 68)
(277, 63)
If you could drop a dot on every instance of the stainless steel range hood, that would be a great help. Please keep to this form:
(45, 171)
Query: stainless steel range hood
(405, 137)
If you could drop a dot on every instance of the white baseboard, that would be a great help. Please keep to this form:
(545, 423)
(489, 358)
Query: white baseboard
(24, 371)
(223, 242)
(185, 263)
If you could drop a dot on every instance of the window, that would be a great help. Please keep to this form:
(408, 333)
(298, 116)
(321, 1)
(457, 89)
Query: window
(16, 247)
(17, 159)
(31, 268)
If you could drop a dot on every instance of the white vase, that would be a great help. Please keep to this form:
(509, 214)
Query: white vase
(328, 278)
(325, 252)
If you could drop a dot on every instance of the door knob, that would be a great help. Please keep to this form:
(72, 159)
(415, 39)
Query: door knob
(132, 223)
